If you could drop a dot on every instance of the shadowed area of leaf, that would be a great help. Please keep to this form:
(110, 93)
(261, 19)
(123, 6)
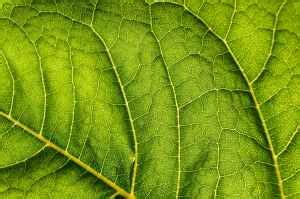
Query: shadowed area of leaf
(149, 99)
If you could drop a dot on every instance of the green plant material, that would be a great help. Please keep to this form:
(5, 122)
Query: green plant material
(149, 99)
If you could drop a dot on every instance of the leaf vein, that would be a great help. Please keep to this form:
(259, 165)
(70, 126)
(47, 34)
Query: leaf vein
(12, 81)
(176, 106)
(122, 88)
(65, 153)
(272, 42)
(253, 96)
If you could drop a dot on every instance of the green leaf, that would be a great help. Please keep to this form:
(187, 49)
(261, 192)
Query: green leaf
(149, 99)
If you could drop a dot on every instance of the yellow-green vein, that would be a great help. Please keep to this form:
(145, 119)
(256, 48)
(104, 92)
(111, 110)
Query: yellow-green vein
(252, 94)
(121, 85)
(65, 153)
(176, 106)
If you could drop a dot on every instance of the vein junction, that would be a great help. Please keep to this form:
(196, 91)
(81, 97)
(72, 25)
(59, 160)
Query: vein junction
(121, 191)
(65, 153)
(251, 90)
(248, 82)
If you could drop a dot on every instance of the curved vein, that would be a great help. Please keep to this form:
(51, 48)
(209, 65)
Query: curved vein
(176, 106)
(262, 120)
(218, 150)
(12, 81)
(252, 94)
(231, 20)
(286, 146)
(44, 86)
(121, 85)
(40, 68)
(73, 93)
(272, 41)
(65, 153)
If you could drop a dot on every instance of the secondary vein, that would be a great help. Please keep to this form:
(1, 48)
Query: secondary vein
(73, 91)
(252, 94)
(176, 106)
(135, 167)
(121, 85)
(65, 153)
(12, 81)
(272, 42)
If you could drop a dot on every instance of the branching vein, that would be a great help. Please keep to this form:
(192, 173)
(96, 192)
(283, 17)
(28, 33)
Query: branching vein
(121, 85)
(272, 42)
(73, 94)
(12, 81)
(253, 96)
(178, 181)
(65, 153)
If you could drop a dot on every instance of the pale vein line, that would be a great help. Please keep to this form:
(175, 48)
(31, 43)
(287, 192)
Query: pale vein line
(94, 12)
(40, 68)
(289, 142)
(218, 149)
(121, 85)
(272, 42)
(73, 94)
(253, 96)
(114, 195)
(44, 87)
(92, 119)
(177, 108)
(273, 95)
(185, 104)
(231, 20)
(13, 83)
(292, 176)
(25, 159)
(65, 153)
(263, 122)
(293, 195)
(131, 196)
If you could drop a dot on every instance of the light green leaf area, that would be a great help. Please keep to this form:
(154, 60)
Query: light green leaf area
(149, 99)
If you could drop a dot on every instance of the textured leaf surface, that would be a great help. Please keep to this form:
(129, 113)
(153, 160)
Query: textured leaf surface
(149, 99)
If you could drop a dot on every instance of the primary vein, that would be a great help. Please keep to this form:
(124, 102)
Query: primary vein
(252, 94)
(65, 153)
(121, 85)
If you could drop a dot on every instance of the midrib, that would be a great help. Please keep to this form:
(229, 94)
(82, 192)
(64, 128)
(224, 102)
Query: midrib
(120, 190)
(71, 157)
(39, 136)
(263, 123)
(251, 90)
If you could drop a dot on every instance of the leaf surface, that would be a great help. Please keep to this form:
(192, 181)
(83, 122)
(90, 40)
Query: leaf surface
(149, 99)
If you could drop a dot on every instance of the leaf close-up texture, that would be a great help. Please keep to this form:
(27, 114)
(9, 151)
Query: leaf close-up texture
(149, 99)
